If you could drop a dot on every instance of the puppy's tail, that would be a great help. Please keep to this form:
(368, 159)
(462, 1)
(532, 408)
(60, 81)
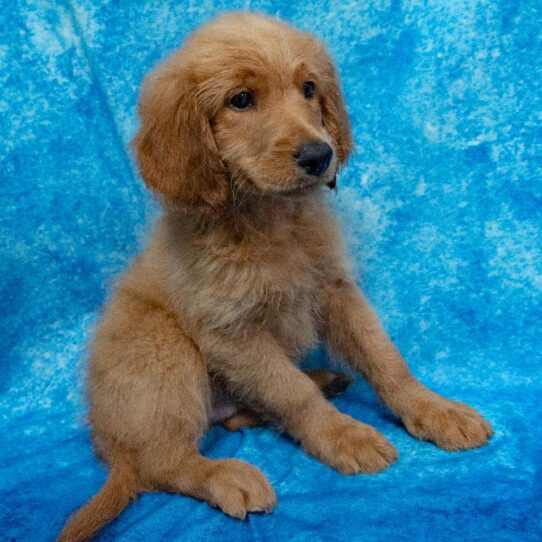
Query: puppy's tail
(119, 489)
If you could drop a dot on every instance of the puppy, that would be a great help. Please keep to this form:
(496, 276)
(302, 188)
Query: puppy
(241, 131)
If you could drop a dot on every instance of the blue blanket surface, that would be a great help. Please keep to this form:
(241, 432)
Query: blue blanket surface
(441, 206)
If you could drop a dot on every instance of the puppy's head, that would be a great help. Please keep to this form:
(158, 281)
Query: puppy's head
(248, 104)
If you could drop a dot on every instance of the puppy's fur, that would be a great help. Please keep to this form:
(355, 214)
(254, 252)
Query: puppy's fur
(245, 273)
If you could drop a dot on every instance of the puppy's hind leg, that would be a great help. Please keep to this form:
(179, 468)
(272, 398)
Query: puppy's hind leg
(166, 409)
(332, 383)
(234, 486)
(149, 398)
(170, 460)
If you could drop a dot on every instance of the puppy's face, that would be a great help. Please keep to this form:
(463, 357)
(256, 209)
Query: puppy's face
(270, 131)
(248, 104)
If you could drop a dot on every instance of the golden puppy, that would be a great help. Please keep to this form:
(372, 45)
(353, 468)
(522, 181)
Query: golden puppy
(241, 131)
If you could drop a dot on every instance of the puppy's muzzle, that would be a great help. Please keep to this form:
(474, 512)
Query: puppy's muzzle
(314, 157)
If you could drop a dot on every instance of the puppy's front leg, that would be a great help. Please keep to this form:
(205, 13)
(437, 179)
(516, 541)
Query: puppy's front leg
(259, 371)
(353, 332)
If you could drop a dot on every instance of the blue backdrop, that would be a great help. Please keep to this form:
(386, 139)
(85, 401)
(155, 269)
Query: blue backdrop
(441, 205)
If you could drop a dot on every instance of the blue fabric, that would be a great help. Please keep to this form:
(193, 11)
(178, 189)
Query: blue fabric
(441, 206)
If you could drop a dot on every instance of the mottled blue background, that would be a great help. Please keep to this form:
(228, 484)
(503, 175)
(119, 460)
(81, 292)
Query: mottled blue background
(442, 208)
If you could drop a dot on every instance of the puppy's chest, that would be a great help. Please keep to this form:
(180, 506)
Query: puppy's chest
(273, 287)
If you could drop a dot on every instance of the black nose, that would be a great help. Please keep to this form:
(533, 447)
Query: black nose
(314, 157)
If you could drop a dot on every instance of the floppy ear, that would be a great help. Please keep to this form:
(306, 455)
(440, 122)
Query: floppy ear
(335, 116)
(175, 147)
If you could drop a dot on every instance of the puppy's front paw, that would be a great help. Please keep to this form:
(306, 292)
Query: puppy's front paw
(449, 424)
(349, 446)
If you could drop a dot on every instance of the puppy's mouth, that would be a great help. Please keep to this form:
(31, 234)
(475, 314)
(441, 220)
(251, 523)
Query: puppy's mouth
(306, 186)
(301, 188)
(302, 185)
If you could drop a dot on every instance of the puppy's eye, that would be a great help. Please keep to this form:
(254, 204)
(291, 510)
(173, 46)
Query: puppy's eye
(308, 89)
(242, 101)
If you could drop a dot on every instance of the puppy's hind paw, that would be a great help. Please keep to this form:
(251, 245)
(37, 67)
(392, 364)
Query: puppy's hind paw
(238, 488)
(332, 383)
